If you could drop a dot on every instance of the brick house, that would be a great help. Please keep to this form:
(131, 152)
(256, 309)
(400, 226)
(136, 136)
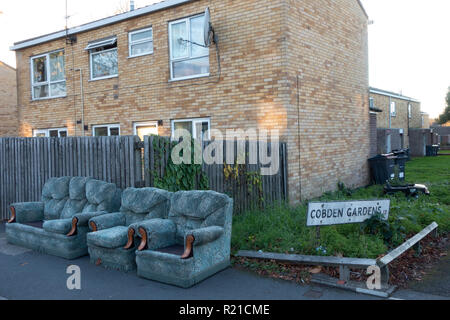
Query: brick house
(8, 101)
(297, 66)
(398, 112)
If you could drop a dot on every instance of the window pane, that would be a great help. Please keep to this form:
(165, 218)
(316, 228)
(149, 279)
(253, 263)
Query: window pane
(40, 134)
(40, 70)
(141, 48)
(63, 134)
(200, 130)
(53, 133)
(113, 131)
(187, 125)
(197, 37)
(101, 131)
(146, 131)
(142, 35)
(104, 64)
(58, 89)
(57, 71)
(191, 67)
(40, 91)
(179, 48)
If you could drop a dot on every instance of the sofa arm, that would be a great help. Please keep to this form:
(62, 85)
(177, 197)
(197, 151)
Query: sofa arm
(26, 212)
(198, 237)
(82, 220)
(107, 221)
(156, 234)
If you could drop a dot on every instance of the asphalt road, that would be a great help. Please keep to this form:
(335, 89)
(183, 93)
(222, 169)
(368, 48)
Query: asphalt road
(25, 274)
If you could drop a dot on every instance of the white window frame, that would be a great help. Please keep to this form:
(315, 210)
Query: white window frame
(48, 82)
(91, 53)
(409, 110)
(144, 124)
(193, 122)
(47, 132)
(393, 109)
(131, 43)
(108, 126)
(188, 57)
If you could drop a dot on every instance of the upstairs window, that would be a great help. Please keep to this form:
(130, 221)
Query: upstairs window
(393, 109)
(48, 75)
(140, 42)
(188, 59)
(409, 111)
(103, 58)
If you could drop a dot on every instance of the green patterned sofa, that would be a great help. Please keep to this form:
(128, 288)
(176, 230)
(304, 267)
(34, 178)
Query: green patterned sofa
(192, 244)
(44, 226)
(112, 245)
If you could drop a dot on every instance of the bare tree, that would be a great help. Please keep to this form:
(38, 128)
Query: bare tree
(122, 6)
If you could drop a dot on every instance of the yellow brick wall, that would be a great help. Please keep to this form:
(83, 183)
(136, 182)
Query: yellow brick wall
(264, 45)
(400, 120)
(9, 121)
(327, 52)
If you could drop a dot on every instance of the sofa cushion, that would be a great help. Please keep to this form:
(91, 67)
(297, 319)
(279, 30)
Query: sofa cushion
(197, 204)
(72, 207)
(109, 238)
(77, 188)
(56, 188)
(53, 208)
(144, 200)
(99, 191)
(61, 226)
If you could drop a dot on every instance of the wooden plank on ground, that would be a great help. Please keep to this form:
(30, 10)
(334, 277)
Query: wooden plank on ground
(308, 260)
(406, 245)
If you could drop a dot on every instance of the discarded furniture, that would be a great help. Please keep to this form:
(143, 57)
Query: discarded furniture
(44, 225)
(412, 190)
(113, 245)
(192, 244)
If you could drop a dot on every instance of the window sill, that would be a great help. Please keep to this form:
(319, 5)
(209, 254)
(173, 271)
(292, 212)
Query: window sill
(103, 78)
(49, 98)
(140, 55)
(190, 77)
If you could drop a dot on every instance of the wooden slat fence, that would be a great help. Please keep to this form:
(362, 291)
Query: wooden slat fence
(245, 193)
(27, 163)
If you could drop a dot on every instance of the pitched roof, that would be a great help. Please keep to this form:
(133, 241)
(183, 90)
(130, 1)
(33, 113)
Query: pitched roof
(107, 21)
(392, 94)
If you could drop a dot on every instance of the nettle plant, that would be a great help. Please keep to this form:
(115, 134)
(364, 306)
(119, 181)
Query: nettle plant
(176, 177)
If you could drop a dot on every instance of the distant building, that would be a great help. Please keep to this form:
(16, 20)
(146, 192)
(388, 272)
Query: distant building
(9, 117)
(399, 114)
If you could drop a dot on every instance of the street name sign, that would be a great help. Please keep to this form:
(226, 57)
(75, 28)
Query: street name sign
(345, 212)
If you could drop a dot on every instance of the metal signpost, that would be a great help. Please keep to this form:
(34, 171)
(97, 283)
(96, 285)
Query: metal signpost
(345, 212)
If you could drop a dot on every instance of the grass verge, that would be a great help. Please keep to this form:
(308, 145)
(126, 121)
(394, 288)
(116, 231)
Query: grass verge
(282, 229)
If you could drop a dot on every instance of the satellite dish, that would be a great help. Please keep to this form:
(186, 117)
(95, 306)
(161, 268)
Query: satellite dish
(207, 28)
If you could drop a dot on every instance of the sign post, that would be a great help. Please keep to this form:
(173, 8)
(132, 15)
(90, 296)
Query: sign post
(344, 212)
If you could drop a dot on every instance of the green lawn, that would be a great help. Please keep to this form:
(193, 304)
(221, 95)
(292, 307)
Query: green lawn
(283, 229)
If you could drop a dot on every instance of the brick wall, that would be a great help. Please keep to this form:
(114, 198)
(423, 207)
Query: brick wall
(8, 101)
(401, 119)
(265, 47)
(327, 61)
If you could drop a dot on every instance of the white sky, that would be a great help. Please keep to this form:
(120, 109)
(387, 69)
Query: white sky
(409, 47)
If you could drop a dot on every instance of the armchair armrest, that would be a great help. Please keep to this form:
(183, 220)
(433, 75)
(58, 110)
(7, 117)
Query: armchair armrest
(26, 212)
(156, 233)
(107, 221)
(82, 220)
(201, 236)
